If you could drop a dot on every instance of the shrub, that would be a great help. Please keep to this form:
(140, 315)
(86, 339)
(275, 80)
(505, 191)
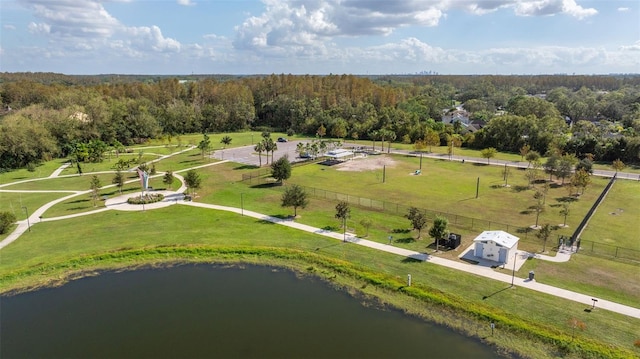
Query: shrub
(146, 199)
(6, 220)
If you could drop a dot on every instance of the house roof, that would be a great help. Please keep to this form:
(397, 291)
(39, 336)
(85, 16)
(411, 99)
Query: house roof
(501, 237)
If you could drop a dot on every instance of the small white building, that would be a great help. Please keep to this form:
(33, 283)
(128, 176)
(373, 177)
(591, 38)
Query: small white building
(340, 154)
(497, 246)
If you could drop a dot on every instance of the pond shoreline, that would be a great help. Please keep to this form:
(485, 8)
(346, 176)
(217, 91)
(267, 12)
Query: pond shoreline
(514, 339)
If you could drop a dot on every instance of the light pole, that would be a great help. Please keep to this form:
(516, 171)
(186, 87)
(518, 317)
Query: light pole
(513, 274)
(242, 203)
(27, 212)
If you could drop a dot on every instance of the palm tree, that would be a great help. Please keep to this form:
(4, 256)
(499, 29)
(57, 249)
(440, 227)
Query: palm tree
(391, 136)
(226, 141)
(260, 148)
(300, 148)
(269, 146)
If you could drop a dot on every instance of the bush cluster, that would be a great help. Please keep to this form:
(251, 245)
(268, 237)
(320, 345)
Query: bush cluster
(146, 199)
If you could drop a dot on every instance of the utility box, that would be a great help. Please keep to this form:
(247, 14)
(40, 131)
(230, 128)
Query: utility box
(454, 240)
(451, 242)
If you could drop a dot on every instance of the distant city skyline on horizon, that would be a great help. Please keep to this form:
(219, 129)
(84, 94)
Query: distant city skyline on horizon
(321, 37)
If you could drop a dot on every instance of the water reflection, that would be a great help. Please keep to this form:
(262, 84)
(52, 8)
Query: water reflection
(208, 311)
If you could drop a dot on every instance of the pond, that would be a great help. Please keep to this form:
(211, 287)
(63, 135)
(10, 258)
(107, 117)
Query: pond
(212, 311)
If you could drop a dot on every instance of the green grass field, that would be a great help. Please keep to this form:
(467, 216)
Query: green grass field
(42, 170)
(54, 242)
(617, 220)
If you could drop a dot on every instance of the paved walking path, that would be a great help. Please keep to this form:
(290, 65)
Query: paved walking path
(57, 172)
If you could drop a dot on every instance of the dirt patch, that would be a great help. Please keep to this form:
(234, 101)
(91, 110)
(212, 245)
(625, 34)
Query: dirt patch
(368, 163)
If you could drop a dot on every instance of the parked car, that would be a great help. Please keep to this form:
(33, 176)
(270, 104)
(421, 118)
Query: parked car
(282, 139)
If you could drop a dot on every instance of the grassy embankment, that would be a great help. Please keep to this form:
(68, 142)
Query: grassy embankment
(528, 322)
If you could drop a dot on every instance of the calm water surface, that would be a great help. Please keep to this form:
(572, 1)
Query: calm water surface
(214, 312)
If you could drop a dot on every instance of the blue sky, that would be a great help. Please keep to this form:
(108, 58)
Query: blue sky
(320, 36)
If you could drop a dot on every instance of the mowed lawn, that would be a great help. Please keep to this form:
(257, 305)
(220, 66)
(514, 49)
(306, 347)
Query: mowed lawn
(450, 187)
(617, 220)
(41, 170)
(58, 241)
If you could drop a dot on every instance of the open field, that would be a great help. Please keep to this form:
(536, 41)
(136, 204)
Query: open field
(617, 220)
(42, 170)
(450, 187)
(468, 152)
(70, 183)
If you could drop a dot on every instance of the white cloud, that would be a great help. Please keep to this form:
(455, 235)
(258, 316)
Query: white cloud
(186, 3)
(85, 25)
(623, 9)
(634, 47)
(151, 38)
(74, 18)
(311, 23)
(553, 7)
(410, 49)
(8, 27)
(40, 28)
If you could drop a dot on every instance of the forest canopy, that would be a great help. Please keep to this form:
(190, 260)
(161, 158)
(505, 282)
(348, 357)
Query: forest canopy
(46, 115)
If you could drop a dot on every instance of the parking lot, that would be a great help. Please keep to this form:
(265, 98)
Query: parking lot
(248, 156)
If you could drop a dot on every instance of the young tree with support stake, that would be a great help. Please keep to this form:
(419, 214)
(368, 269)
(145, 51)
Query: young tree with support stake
(439, 229)
(294, 196)
(95, 189)
(489, 153)
(543, 234)
(565, 211)
(168, 178)
(343, 212)
(205, 145)
(118, 180)
(417, 218)
(192, 180)
(366, 223)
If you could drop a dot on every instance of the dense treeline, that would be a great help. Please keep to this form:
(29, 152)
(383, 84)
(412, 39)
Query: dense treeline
(50, 115)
